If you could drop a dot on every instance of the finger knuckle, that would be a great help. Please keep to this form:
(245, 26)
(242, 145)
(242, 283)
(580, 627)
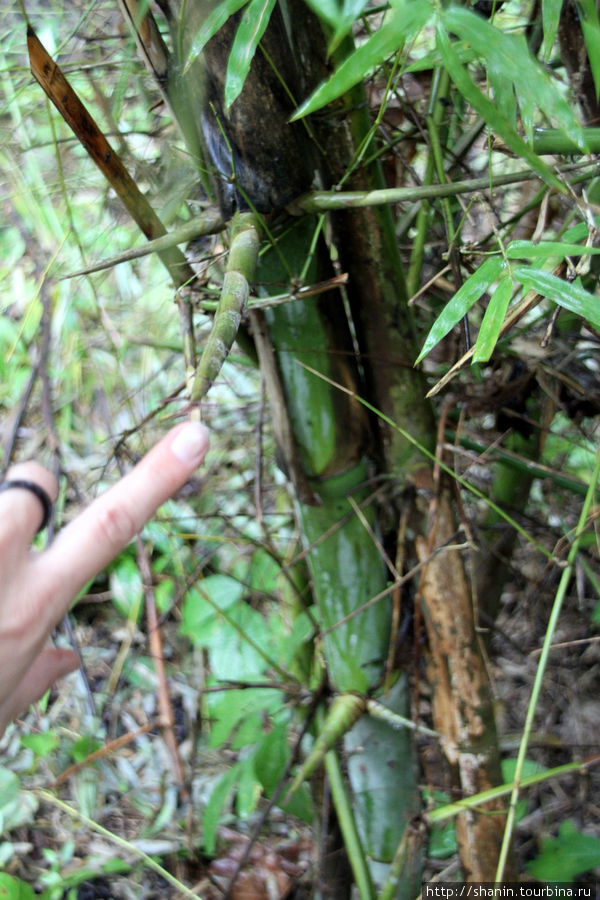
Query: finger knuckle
(117, 526)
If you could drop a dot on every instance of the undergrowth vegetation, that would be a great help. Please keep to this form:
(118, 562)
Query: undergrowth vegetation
(97, 797)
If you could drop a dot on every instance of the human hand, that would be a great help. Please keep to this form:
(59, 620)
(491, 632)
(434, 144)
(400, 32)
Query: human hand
(36, 589)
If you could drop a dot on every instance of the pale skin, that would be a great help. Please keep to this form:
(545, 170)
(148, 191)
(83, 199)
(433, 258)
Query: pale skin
(37, 588)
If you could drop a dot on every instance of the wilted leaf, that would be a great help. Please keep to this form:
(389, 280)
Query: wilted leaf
(468, 294)
(569, 295)
(250, 31)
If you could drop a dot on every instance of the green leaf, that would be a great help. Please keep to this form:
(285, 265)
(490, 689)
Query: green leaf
(214, 21)
(492, 321)
(250, 31)
(569, 295)
(83, 747)
(41, 744)
(348, 15)
(271, 758)
(248, 790)
(590, 26)
(550, 18)
(546, 250)
(533, 87)
(14, 889)
(495, 120)
(408, 18)
(566, 856)
(468, 294)
(327, 10)
(126, 587)
(214, 808)
(201, 605)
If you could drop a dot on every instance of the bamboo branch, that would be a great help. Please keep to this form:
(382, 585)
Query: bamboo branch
(322, 201)
(209, 222)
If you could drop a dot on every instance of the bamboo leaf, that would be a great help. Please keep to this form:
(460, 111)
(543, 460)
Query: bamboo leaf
(569, 295)
(532, 85)
(328, 10)
(350, 12)
(251, 29)
(492, 321)
(547, 249)
(462, 301)
(550, 16)
(213, 22)
(495, 120)
(408, 17)
(590, 26)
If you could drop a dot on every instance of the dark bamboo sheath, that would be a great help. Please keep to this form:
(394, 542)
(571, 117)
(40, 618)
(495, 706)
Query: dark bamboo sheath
(49, 76)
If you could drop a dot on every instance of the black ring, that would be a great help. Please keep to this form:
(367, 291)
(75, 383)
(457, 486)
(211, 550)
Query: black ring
(35, 489)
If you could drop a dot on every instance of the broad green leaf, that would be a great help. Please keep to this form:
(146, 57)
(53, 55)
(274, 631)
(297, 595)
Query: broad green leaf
(201, 606)
(408, 18)
(41, 744)
(590, 26)
(495, 120)
(550, 17)
(533, 86)
(456, 308)
(211, 24)
(126, 588)
(566, 856)
(547, 250)
(214, 808)
(248, 790)
(492, 321)
(271, 758)
(250, 31)
(570, 295)
(12, 888)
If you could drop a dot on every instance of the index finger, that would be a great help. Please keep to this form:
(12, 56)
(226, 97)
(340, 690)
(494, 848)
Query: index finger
(98, 534)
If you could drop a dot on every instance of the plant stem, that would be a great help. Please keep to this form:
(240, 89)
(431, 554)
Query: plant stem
(539, 675)
(319, 201)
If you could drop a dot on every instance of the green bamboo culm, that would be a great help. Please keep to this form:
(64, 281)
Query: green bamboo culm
(239, 275)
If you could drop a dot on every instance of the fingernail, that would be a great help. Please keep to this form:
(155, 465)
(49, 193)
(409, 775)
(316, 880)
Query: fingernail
(190, 443)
